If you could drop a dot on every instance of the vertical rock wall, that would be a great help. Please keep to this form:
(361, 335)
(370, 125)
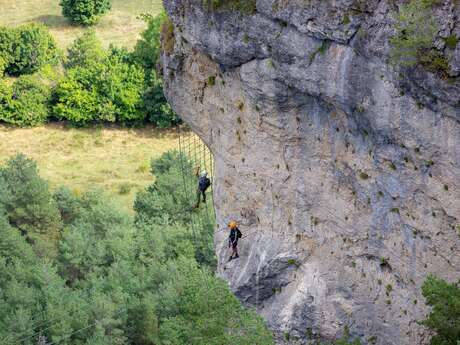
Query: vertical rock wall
(343, 172)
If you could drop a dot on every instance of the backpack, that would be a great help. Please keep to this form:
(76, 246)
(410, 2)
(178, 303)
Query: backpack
(238, 233)
(204, 183)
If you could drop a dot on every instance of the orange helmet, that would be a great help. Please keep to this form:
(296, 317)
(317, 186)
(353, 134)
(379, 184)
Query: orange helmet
(233, 224)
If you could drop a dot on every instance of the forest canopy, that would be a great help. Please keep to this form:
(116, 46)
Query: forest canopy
(76, 270)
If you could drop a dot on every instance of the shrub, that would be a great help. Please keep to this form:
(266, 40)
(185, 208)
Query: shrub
(25, 103)
(85, 49)
(147, 53)
(444, 318)
(101, 91)
(3, 65)
(85, 12)
(147, 49)
(435, 62)
(156, 107)
(415, 32)
(167, 36)
(27, 48)
(451, 41)
(242, 6)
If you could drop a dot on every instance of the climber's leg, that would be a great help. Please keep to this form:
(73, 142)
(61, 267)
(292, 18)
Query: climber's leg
(235, 250)
(204, 196)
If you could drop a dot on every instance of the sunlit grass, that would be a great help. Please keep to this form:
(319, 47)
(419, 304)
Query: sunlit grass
(115, 159)
(120, 26)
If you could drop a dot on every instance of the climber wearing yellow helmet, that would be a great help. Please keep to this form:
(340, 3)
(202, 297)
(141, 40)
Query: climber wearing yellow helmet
(233, 237)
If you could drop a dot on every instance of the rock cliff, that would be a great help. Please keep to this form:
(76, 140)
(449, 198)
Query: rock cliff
(342, 169)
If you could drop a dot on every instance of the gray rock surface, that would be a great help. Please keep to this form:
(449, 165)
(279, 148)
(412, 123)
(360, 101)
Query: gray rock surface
(343, 171)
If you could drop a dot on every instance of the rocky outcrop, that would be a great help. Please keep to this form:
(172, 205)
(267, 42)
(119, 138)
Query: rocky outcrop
(342, 170)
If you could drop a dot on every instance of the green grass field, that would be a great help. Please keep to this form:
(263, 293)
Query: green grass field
(113, 158)
(120, 26)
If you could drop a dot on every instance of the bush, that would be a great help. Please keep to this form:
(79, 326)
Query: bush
(147, 49)
(434, 61)
(85, 12)
(444, 318)
(156, 106)
(25, 103)
(243, 6)
(27, 48)
(3, 65)
(147, 53)
(415, 32)
(85, 49)
(106, 90)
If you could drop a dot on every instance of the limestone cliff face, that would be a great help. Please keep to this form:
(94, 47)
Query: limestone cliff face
(343, 171)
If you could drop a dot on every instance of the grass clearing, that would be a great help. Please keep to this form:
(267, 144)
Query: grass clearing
(120, 26)
(113, 158)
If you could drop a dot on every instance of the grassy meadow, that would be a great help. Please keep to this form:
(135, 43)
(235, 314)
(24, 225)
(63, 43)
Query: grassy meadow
(113, 158)
(120, 26)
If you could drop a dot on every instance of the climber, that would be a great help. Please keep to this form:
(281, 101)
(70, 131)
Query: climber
(203, 184)
(233, 237)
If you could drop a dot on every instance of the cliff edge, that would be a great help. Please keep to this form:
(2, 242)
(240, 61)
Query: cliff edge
(342, 168)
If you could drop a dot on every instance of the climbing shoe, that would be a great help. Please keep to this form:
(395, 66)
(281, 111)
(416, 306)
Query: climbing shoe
(237, 256)
(231, 258)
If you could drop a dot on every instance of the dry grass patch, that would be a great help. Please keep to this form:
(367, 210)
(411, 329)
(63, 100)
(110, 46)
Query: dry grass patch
(113, 158)
(120, 26)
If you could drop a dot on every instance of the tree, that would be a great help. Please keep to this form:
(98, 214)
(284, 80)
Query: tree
(106, 90)
(85, 12)
(147, 49)
(114, 281)
(27, 48)
(196, 308)
(444, 318)
(26, 102)
(156, 106)
(85, 50)
(147, 54)
(29, 205)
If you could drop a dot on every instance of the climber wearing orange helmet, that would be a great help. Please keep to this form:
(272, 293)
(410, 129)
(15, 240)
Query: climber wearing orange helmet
(233, 237)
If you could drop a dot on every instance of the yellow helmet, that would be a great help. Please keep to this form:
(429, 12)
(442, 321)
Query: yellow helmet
(233, 224)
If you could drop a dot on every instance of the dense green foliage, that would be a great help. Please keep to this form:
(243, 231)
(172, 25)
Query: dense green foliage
(242, 6)
(85, 12)
(111, 280)
(444, 318)
(99, 87)
(85, 50)
(27, 203)
(416, 29)
(148, 47)
(25, 101)
(23, 50)
(156, 106)
(147, 54)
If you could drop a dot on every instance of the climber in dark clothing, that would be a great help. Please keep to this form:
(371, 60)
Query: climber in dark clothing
(233, 237)
(203, 184)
